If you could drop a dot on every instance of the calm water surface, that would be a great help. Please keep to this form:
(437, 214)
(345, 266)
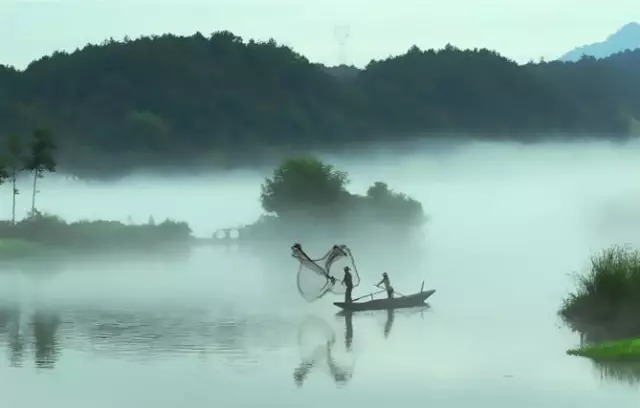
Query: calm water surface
(225, 326)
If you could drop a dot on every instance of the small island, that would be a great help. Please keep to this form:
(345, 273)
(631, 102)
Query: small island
(606, 305)
(306, 198)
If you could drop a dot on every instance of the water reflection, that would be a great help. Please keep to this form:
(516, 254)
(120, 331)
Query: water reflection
(389, 323)
(317, 344)
(348, 330)
(19, 330)
(45, 328)
(319, 349)
(32, 331)
(147, 335)
(613, 371)
(619, 372)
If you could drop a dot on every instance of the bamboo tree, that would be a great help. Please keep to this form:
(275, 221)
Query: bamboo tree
(40, 160)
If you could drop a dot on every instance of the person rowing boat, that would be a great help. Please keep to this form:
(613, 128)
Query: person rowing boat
(387, 285)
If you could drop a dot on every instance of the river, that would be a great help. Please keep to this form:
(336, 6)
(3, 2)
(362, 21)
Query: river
(225, 326)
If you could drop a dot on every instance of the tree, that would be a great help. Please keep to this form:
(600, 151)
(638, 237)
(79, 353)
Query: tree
(393, 207)
(14, 165)
(40, 160)
(304, 185)
(4, 173)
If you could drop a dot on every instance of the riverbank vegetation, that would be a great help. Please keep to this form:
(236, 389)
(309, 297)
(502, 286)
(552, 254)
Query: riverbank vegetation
(305, 197)
(40, 233)
(219, 100)
(53, 232)
(617, 360)
(607, 297)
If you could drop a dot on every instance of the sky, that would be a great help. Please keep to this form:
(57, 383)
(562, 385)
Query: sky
(518, 29)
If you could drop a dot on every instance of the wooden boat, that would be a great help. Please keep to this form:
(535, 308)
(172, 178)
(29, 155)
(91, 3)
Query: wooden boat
(415, 300)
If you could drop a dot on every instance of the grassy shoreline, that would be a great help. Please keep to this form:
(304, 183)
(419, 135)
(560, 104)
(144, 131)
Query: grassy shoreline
(627, 350)
(605, 305)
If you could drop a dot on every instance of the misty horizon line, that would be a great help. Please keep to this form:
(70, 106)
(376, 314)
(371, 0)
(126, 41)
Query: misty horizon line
(440, 142)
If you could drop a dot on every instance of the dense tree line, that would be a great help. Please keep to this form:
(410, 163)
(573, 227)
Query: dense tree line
(170, 100)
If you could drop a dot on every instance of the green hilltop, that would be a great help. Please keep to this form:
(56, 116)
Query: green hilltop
(172, 101)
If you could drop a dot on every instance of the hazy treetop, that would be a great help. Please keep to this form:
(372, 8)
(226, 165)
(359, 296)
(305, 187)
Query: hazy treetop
(521, 30)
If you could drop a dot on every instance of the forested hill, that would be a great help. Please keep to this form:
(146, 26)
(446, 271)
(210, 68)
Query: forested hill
(179, 100)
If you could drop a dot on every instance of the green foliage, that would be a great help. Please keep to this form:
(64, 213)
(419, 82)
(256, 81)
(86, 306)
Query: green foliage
(305, 192)
(14, 155)
(41, 153)
(4, 171)
(38, 159)
(172, 99)
(55, 232)
(392, 207)
(41, 159)
(620, 350)
(609, 294)
(304, 185)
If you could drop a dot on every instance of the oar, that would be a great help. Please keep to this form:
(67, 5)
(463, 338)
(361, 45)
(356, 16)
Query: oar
(394, 291)
(370, 294)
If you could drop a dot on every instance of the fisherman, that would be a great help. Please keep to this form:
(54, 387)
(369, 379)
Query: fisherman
(387, 285)
(347, 281)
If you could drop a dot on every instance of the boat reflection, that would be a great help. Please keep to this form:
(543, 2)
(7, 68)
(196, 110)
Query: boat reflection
(348, 331)
(317, 344)
(319, 349)
(348, 320)
(389, 323)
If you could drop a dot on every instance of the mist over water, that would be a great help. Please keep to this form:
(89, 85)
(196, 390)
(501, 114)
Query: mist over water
(508, 223)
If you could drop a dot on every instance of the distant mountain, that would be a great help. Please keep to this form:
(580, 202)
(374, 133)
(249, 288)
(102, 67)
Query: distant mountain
(626, 38)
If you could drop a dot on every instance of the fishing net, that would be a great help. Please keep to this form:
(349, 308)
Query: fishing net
(317, 277)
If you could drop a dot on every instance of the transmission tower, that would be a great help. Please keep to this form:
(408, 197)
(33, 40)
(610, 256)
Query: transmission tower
(342, 33)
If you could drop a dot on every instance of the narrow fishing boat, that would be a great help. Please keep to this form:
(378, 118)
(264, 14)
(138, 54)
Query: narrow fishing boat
(414, 300)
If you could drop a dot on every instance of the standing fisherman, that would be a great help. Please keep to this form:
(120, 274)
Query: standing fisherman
(347, 281)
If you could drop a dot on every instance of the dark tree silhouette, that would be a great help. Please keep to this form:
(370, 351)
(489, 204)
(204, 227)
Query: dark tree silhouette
(14, 160)
(41, 160)
(4, 173)
(307, 192)
(304, 186)
(177, 101)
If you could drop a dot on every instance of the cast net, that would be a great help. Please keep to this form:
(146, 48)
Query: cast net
(317, 277)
